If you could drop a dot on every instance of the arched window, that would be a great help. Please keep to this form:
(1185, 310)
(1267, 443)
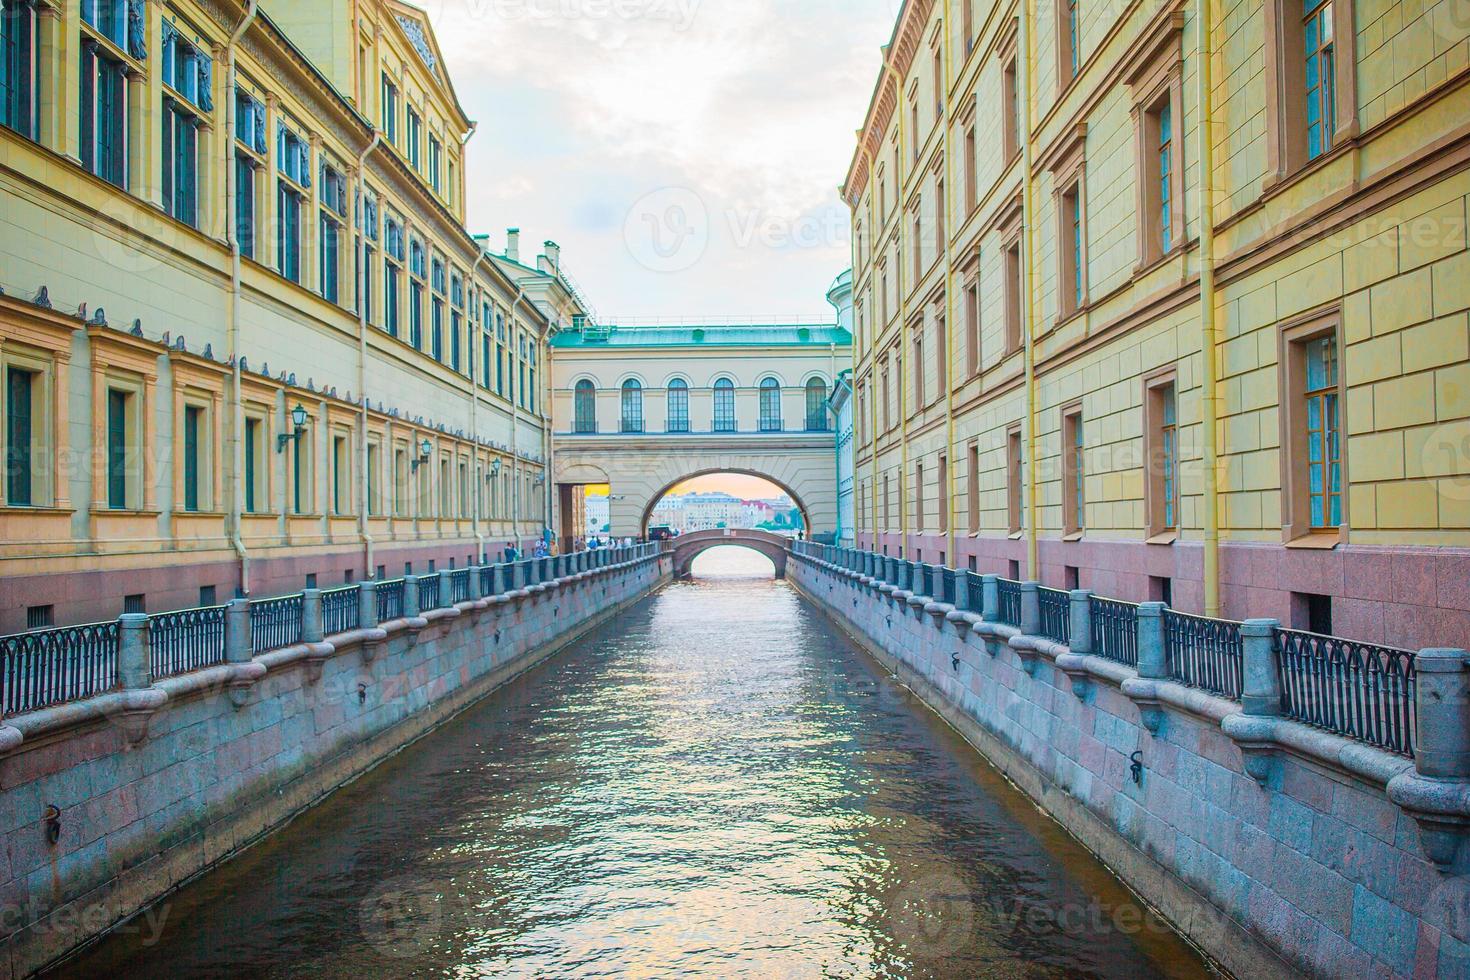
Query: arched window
(816, 405)
(770, 405)
(678, 405)
(724, 405)
(584, 402)
(632, 406)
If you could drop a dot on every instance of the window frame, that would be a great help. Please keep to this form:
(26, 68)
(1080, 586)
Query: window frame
(1074, 471)
(1160, 387)
(1015, 481)
(1286, 132)
(40, 451)
(1292, 338)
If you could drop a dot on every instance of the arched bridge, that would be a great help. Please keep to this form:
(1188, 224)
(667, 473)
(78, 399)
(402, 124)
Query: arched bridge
(688, 547)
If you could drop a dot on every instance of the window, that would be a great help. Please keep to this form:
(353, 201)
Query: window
(245, 203)
(417, 273)
(187, 72)
(1161, 203)
(19, 54)
(770, 401)
(887, 502)
(1311, 429)
(329, 237)
(1068, 60)
(1324, 462)
(1161, 455)
(941, 349)
(1013, 296)
(392, 275)
(920, 399)
(816, 405)
(1074, 503)
(40, 617)
(104, 140)
(972, 489)
(967, 26)
(1013, 480)
(1072, 255)
(943, 495)
(301, 471)
(193, 435)
(1310, 80)
(254, 448)
(456, 319)
(414, 135)
(341, 476)
(1010, 110)
(724, 398)
(941, 207)
(288, 232)
(374, 488)
(22, 421)
(632, 417)
(919, 497)
(121, 432)
(887, 396)
(972, 173)
(436, 165)
(584, 402)
(971, 301)
(390, 111)
(678, 405)
(918, 245)
(436, 311)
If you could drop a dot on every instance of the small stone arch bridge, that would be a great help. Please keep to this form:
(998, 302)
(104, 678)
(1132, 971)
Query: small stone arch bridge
(688, 547)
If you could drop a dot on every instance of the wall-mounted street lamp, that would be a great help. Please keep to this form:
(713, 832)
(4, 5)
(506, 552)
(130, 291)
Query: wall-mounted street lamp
(425, 450)
(495, 466)
(298, 426)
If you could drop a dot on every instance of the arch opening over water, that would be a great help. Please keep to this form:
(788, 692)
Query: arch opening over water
(727, 561)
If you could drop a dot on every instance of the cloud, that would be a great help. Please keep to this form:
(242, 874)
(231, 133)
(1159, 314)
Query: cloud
(587, 107)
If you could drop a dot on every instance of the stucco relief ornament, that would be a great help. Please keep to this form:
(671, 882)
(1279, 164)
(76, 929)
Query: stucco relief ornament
(137, 43)
(257, 110)
(420, 42)
(205, 68)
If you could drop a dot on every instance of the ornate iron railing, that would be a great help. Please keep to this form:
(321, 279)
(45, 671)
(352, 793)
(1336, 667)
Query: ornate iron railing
(975, 591)
(186, 640)
(1056, 614)
(1115, 630)
(1010, 601)
(1359, 690)
(487, 580)
(1203, 653)
(429, 593)
(459, 586)
(390, 600)
(340, 610)
(947, 585)
(53, 666)
(275, 623)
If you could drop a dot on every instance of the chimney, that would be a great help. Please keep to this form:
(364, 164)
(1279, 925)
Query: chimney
(513, 244)
(551, 257)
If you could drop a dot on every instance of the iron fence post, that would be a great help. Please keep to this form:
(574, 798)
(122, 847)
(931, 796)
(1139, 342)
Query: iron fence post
(990, 598)
(367, 605)
(1151, 659)
(311, 616)
(1030, 609)
(1260, 668)
(1080, 625)
(410, 596)
(237, 631)
(134, 665)
(1442, 697)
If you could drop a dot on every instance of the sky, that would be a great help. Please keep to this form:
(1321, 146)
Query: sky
(686, 154)
(736, 484)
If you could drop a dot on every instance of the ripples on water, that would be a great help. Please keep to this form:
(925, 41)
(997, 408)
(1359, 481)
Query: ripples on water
(715, 785)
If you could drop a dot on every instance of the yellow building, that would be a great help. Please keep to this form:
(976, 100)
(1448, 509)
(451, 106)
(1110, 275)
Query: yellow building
(246, 341)
(1100, 344)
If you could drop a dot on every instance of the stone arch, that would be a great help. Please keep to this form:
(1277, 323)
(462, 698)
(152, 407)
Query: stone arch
(691, 546)
(806, 514)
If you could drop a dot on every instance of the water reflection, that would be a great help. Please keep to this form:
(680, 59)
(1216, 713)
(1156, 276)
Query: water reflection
(714, 785)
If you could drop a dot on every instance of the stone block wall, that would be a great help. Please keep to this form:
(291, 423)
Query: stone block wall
(1314, 871)
(236, 750)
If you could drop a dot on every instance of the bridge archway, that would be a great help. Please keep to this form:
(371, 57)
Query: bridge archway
(653, 501)
(690, 546)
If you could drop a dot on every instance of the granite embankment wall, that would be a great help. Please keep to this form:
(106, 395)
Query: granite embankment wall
(1277, 848)
(154, 784)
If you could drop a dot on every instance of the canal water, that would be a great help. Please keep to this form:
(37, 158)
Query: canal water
(716, 784)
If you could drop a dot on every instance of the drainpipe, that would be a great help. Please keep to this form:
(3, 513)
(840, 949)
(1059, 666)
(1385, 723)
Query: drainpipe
(903, 313)
(232, 233)
(951, 461)
(873, 232)
(363, 285)
(475, 401)
(1028, 319)
(1205, 26)
(515, 431)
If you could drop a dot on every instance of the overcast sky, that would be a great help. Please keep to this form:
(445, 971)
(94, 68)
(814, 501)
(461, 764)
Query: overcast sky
(686, 154)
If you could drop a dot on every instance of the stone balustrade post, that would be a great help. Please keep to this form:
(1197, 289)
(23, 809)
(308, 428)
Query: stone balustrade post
(237, 631)
(410, 596)
(990, 598)
(906, 576)
(367, 605)
(1442, 697)
(963, 602)
(475, 591)
(1080, 623)
(1151, 660)
(134, 659)
(1030, 609)
(1260, 692)
(311, 616)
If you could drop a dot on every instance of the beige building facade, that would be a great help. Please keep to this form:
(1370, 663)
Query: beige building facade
(1101, 345)
(246, 340)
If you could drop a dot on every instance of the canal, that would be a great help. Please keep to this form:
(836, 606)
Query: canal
(716, 784)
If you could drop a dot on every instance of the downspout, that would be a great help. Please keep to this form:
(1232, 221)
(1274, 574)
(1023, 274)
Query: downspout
(1205, 22)
(515, 431)
(363, 285)
(951, 464)
(873, 232)
(475, 528)
(903, 317)
(232, 233)
(1028, 220)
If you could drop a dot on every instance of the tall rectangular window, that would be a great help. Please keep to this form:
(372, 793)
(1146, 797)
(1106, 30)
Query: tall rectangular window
(390, 111)
(1320, 76)
(941, 216)
(941, 351)
(436, 314)
(19, 54)
(943, 494)
(436, 165)
(20, 389)
(413, 132)
(1068, 60)
(300, 472)
(1165, 158)
(245, 204)
(1013, 480)
(341, 476)
(972, 488)
(972, 173)
(288, 232)
(1074, 503)
(374, 491)
(678, 406)
(919, 497)
(104, 140)
(1013, 296)
(1162, 456)
(724, 407)
(118, 425)
(920, 399)
(417, 272)
(392, 276)
(253, 451)
(1072, 256)
(329, 256)
(193, 426)
(1010, 110)
(971, 302)
(1324, 456)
